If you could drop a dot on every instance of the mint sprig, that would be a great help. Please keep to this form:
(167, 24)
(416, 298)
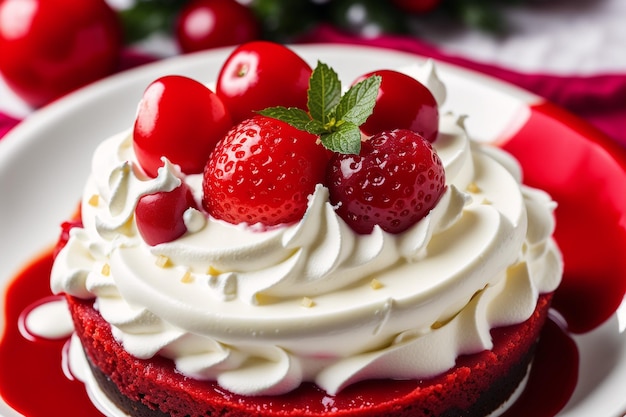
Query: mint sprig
(334, 117)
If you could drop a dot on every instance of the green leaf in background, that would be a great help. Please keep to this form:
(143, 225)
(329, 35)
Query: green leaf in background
(146, 17)
(285, 20)
(367, 18)
(484, 15)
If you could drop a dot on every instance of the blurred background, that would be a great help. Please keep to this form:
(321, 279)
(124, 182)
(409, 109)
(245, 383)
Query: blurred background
(572, 52)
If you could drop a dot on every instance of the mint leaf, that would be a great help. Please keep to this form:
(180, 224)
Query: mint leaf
(324, 92)
(296, 117)
(316, 127)
(358, 103)
(345, 139)
(331, 116)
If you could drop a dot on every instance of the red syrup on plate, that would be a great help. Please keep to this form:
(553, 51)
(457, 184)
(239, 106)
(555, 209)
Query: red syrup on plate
(35, 366)
(585, 173)
(33, 380)
(591, 291)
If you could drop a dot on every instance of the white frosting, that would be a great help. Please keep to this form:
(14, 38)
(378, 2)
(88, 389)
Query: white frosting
(229, 303)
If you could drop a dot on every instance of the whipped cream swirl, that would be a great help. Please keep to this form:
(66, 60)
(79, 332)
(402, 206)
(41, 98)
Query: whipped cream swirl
(260, 311)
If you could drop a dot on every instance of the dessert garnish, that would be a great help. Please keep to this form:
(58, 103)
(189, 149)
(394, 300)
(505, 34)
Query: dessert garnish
(263, 172)
(392, 179)
(266, 167)
(160, 216)
(402, 103)
(262, 74)
(394, 182)
(181, 119)
(370, 146)
(334, 117)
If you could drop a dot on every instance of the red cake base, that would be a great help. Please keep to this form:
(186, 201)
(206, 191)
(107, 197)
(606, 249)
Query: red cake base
(475, 387)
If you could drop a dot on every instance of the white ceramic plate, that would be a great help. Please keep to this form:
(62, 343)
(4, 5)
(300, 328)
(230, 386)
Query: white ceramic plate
(45, 160)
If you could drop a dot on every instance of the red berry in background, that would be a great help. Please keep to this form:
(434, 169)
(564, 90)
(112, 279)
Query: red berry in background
(181, 119)
(159, 216)
(395, 194)
(402, 103)
(204, 24)
(51, 47)
(263, 172)
(262, 74)
(417, 6)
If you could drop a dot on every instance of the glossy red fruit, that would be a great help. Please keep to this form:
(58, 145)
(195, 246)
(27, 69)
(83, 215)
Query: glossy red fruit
(263, 172)
(417, 6)
(262, 74)
(402, 103)
(181, 119)
(394, 182)
(159, 216)
(204, 24)
(51, 47)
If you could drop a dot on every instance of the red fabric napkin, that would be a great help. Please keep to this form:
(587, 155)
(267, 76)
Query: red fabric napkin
(600, 99)
(6, 123)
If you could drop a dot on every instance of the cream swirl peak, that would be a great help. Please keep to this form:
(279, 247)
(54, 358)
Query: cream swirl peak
(262, 311)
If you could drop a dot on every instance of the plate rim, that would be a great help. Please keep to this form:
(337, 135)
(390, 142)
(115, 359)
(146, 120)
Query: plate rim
(14, 140)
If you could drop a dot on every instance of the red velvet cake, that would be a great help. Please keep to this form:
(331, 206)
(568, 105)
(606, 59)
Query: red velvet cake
(476, 386)
(282, 247)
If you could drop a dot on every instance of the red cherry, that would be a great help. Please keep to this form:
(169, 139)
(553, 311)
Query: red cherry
(394, 182)
(181, 119)
(262, 74)
(417, 6)
(49, 48)
(159, 216)
(402, 103)
(204, 24)
(263, 172)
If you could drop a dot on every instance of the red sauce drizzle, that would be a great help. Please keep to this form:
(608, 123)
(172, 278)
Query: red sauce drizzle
(592, 288)
(36, 366)
(553, 375)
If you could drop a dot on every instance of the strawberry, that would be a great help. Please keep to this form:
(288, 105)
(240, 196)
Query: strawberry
(396, 179)
(263, 171)
(393, 179)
